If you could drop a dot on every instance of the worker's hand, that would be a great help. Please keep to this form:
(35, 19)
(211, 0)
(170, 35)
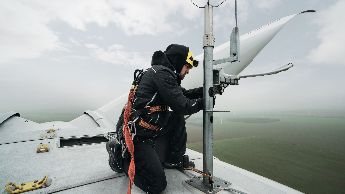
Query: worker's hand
(218, 89)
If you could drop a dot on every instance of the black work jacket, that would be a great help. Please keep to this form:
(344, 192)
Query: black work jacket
(160, 86)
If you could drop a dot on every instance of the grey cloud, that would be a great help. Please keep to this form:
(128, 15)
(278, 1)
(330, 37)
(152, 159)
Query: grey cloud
(266, 4)
(23, 32)
(331, 35)
(117, 54)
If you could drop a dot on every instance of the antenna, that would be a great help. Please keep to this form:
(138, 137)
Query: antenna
(236, 12)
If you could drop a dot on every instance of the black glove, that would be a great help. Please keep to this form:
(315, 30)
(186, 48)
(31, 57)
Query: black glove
(217, 89)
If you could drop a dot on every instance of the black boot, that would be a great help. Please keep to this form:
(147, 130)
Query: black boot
(173, 164)
(115, 157)
(179, 163)
(187, 163)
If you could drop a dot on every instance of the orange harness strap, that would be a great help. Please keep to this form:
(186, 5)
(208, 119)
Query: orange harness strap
(128, 135)
(153, 109)
(128, 138)
(148, 125)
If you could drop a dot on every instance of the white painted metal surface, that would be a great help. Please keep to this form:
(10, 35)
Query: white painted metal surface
(7, 115)
(85, 169)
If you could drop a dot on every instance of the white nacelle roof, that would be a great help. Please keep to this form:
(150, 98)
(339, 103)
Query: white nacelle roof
(85, 169)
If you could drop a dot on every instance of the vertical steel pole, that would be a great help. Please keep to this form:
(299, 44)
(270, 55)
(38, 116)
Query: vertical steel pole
(208, 99)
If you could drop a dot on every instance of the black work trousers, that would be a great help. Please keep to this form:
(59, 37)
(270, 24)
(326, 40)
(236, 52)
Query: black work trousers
(149, 155)
(149, 173)
(177, 138)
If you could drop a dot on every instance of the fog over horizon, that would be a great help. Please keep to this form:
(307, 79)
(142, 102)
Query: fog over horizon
(70, 56)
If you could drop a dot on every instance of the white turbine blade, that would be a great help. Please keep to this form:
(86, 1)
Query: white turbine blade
(250, 45)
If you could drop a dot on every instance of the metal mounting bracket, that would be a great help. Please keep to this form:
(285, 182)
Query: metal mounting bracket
(49, 134)
(42, 148)
(218, 184)
(29, 186)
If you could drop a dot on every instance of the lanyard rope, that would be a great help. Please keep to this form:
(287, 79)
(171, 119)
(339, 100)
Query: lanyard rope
(128, 138)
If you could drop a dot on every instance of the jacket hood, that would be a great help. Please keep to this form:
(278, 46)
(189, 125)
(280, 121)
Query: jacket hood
(177, 55)
(159, 58)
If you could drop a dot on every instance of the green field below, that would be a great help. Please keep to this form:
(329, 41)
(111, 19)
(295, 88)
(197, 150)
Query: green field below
(305, 153)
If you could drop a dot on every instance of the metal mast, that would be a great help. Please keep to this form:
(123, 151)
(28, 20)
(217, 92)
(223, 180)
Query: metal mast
(208, 95)
(215, 81)
(208, 183)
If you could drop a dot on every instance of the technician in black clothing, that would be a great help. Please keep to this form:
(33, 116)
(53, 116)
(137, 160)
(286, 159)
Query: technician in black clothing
(159, 134)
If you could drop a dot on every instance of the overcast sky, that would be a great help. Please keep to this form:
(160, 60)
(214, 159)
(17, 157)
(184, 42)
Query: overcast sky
(79, 54)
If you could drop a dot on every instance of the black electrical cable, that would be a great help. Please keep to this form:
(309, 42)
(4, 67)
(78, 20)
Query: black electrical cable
(219, 3)
(196, 5)
(208, 2)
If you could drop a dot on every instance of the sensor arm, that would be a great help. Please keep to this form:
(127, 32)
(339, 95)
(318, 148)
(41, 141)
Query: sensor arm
(221, 80)
(281, 69)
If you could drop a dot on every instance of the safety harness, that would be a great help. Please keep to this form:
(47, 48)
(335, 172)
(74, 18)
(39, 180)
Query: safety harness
(127, 133)
(128, 137)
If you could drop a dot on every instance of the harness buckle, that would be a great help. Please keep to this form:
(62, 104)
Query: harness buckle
(153, 109)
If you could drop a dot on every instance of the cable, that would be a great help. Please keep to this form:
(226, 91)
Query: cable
(208, 3)
(219, 3)
(236, 12)
(196, 5)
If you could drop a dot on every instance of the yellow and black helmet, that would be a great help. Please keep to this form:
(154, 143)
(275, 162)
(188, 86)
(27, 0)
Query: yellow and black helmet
(190, 60)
